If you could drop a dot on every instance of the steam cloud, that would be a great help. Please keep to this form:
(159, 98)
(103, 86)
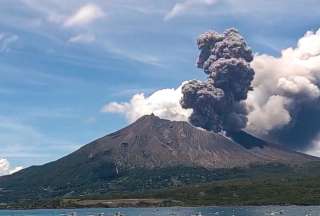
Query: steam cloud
(6, 168)
(284, 105)
(218, 103)
(163, 103)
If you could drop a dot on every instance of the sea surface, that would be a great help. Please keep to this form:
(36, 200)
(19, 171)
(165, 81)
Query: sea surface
(175, 211)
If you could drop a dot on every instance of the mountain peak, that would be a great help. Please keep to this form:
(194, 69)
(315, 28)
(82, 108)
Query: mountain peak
(152, 142)
(150, 117)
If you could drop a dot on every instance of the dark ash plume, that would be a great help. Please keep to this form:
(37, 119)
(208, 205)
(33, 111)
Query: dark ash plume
(218, 103)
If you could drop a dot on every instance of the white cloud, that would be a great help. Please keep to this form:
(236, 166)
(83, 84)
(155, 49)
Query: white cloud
(270, 115)
(6, 40)
(4, 166)
(6, 169)
(183, 7)
(164, 103)
(298, 86)
(284, 82)
(83, 38)
(146, 58)
(315, 147)
(84, 15)
(16, 169)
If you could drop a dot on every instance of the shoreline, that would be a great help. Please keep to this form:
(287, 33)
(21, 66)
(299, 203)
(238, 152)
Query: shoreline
(151, 206)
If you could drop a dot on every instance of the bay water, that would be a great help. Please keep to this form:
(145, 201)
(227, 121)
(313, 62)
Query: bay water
(173, 211)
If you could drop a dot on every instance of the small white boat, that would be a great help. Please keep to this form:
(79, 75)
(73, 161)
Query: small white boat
(118, 214)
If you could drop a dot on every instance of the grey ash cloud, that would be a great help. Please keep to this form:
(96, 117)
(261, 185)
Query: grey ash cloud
(218, 102)
(283, 107)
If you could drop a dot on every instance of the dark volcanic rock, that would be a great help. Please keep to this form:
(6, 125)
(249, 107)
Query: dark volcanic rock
(152, 142)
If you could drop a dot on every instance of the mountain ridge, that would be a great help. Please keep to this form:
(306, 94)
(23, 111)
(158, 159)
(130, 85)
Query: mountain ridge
(151, 142)
(150, 153)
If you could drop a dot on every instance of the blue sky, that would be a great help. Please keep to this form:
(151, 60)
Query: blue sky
(62, 61)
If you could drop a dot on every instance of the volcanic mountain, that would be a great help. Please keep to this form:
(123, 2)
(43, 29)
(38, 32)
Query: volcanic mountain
(150, 143)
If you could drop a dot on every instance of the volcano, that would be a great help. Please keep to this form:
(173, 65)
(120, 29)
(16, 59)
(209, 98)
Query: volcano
(147, 145)
(151, 143)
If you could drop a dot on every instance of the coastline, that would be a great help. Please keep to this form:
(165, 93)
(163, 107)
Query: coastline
(138, 203)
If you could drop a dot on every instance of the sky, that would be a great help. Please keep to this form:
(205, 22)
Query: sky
(61, 62)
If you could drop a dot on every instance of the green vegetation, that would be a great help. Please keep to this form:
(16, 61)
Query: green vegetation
(255, 185)
(298, 191)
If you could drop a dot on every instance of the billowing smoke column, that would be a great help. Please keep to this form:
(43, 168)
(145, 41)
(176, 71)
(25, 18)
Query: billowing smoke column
(218, 103)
